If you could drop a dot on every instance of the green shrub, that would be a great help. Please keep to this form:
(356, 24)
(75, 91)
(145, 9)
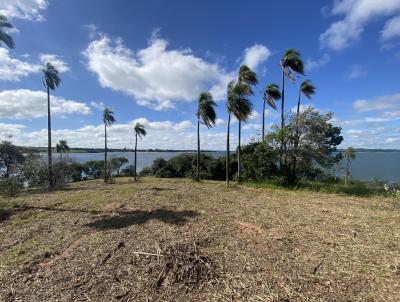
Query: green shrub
(11, 185)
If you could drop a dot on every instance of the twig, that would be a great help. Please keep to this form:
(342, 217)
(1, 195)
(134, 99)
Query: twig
(148, 254)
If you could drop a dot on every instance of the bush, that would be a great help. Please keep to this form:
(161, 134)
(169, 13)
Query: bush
(11, 185)
(129, 171)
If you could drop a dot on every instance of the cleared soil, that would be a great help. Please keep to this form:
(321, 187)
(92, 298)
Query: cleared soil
(176, 240)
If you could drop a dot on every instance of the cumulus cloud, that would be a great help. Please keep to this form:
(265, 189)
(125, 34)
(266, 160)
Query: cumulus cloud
(255, 55)
(56, 60)
(154, 76)
(313, 64)
(98, 105)
(29, 104)
(386, 102)
(391, 29)
(10, 130)
(24, 9)
(160, 135)
(12, 69)
(356, 15)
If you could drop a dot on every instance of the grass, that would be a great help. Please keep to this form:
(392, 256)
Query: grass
(355, 188)
(178, 240)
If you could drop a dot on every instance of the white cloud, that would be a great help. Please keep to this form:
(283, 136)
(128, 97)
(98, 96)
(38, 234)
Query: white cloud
(391, 29)
(357, 14)
(155, 76)
(386, 102)
(356, 71)
(28, 104)
(255, 55)
(219, 121)
(252, 126)
(313, 64)
(56, 60)
(12, 69)
(98, 105)
(24, 9)
(160, 134)
(7, 130)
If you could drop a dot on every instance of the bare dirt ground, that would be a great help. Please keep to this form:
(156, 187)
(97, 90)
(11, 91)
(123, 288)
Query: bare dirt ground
(175, 240)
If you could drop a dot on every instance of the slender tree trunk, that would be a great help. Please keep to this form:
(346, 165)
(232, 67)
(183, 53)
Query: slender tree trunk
(49, 151)
(263, 122)
(135, 175)
(282, 120)
(105, 153)
(297, 136)
(227, 150)
(346, 179)
(198, 150)
(238, 153)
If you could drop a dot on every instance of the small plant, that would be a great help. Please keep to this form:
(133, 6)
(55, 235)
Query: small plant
(393, 191)
(11, 186)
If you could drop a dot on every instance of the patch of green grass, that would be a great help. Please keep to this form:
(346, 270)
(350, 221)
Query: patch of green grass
(362, 189)
(20, 253)
(28, 217)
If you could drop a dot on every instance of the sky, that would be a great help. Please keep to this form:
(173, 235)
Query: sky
(149, 60)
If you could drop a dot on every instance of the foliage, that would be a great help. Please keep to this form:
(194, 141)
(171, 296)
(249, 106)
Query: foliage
(11, 158)
(11, 185)
(116, 163)
(4, 36)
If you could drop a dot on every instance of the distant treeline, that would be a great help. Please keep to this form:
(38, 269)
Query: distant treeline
(101, 150)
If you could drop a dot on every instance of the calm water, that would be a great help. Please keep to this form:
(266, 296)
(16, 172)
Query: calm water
(366, 166)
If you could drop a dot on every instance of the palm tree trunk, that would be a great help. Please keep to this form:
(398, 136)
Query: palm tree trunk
(282, 119)
(135, 175)
(227, 150)
(238, 152)
(198, 150)
(50, 164)
(263, 122)
(105, 153)
(296, 144)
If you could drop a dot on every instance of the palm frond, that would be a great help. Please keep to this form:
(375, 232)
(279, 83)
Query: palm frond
(241, 105)
(51, 78)
(7, 39)
(108, 117)
(271, 94)
(247, 75)
(4, 22)
(140, 130)
(307, 88)
(205, 110)
(291, 63)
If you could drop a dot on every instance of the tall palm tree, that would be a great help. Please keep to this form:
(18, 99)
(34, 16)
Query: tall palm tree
(61, 147)
(51, 81)
(242, 108)
(243, 89)
(349, 155)
(108, 120)
(271, 94)
(291, 64)
(5, 37)
(230, 100)
(139, 132)
(307, 89)
(205, 115)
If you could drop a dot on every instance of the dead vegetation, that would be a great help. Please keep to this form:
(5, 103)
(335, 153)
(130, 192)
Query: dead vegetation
(174, 240)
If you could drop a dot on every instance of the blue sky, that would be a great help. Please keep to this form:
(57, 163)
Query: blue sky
(148, 61)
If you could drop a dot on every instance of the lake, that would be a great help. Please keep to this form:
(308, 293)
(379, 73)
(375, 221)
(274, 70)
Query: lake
(366, 166)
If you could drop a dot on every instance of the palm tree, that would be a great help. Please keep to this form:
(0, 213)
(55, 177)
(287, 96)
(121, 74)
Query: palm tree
(139, 132)
(61, 147)
(242, 108)
(4, 37)
(229, 107)
(51, 81)
(207, 116)
(108, 120)
(291, 64)
(349, 155)
(308, 89)
(271, 94)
